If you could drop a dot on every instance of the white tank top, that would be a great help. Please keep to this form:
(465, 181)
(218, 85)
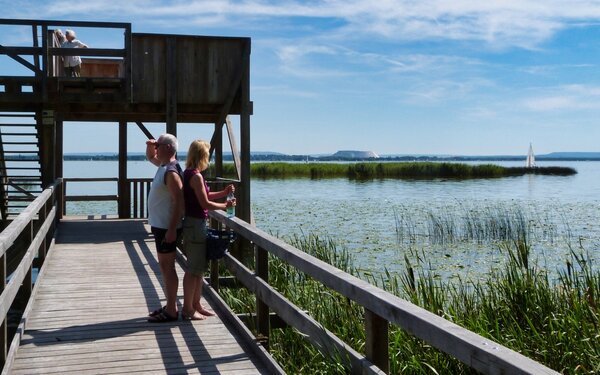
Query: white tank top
(160, 207)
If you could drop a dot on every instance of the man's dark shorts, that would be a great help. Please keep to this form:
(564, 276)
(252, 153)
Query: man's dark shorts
(159, 238)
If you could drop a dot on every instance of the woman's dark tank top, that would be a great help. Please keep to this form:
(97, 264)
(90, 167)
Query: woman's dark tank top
(192, 206)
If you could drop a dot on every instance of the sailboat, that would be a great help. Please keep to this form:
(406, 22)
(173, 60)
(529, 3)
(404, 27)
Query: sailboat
(530, 161)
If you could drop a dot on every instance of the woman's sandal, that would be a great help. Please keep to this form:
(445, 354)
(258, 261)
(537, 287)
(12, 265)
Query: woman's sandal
(163, 317)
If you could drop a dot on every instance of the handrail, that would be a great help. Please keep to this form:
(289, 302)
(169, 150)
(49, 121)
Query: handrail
(26, 22)
(468, 347)
(48, 52)
(12, 231)
(137, 189)
(21, 278)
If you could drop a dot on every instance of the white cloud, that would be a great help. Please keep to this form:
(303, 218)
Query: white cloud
(521, 23)
(569, 97)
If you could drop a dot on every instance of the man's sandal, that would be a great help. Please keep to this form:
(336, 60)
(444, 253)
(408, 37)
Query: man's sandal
(158, 311)
(163, 317)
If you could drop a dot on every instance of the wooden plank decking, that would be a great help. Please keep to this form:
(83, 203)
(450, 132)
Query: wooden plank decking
(90, 308)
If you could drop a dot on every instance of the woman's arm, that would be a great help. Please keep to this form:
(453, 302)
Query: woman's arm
(197, 184)
(221, 194)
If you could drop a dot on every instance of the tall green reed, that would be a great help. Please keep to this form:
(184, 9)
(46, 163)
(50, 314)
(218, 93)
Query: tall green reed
(554, 321)
(399, 170)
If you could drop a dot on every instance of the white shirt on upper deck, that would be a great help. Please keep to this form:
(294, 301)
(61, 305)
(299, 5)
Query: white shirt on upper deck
(72, 60)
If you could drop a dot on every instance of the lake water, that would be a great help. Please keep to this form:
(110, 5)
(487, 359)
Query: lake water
(380, 221)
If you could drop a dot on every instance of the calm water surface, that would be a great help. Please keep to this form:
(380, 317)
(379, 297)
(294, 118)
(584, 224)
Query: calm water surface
(380, 221)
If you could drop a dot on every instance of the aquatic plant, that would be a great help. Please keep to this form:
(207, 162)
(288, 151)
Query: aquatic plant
(468, 224)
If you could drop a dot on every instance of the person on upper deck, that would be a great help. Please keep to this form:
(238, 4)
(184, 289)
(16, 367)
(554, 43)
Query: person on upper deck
(165, 212)
(72, 64)
(198, 200)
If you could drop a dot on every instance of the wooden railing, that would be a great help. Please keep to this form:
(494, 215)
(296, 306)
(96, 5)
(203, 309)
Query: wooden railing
(135, 195)
(46, 57)
(139, 188)
(33, 229)
(381, 309)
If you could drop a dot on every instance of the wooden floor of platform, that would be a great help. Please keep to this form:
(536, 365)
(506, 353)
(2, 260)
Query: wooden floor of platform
(91, 304)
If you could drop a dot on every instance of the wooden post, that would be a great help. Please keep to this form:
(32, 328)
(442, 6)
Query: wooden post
(63, 200)
(214, 275)
(4, 325)
(171, 85)
(243, 202)
(59, 151)
(123, 186)
(47, 132)
(127, 63)
(59, 167)
(36, 58)
(262, 309)
(27, 286)
(218, 137)
(42, 250)
(376, 345)
(46, 61)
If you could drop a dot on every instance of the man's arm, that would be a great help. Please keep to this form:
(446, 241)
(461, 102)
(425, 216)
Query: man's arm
(175, 187)
(151, 152)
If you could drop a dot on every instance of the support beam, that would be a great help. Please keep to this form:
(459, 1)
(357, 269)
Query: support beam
(36, 44)
(127, 64)
(171, 85)
(262, 309)
(59, 151)
(216, 144)
(47, 133)
(7, 51)
(234, 149)
(144, 130)
(123, 188)
(243, 209)
(4, 325)
(376, 343)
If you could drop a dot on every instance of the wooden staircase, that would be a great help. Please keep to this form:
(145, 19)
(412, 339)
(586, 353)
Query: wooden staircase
(20, 169)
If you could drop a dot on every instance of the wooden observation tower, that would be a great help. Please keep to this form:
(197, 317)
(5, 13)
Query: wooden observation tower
(174, 79)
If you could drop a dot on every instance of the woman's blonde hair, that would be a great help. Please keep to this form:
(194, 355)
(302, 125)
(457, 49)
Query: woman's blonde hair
(197, 156)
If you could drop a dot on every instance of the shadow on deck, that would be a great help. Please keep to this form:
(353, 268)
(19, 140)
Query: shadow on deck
(90, 308)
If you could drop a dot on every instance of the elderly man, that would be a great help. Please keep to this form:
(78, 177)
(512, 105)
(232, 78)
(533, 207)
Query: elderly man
(72, 63)
(165, 212)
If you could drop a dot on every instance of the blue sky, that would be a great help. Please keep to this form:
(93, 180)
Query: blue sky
(394, 77)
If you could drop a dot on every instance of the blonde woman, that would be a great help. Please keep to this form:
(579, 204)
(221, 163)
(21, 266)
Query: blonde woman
(198, 200)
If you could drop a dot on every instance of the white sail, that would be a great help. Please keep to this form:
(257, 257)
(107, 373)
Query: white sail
(530, 162)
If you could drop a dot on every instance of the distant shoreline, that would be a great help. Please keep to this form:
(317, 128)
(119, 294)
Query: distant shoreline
(308, 158)
(304, 158)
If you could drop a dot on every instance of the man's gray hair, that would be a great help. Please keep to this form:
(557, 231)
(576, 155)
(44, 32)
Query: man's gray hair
(70, 32)
(169, 139)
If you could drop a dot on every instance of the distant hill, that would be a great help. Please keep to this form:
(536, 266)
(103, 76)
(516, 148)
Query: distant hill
(571, 155)
(352, 154)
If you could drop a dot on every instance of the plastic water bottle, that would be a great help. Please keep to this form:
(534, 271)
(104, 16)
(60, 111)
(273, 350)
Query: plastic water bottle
(230, 208)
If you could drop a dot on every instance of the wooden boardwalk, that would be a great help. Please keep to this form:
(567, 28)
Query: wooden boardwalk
(90, 307)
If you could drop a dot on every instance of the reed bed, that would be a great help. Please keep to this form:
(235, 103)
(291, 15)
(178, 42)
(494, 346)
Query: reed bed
(468, 224)
(554, 321)
(398, 170)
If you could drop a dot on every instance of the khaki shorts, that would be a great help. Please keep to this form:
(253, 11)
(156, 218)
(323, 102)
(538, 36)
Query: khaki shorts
(194, 244)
